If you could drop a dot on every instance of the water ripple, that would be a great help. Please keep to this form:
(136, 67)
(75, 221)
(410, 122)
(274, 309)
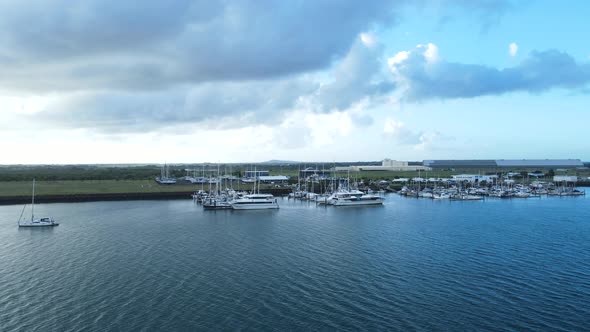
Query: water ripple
(411, 265)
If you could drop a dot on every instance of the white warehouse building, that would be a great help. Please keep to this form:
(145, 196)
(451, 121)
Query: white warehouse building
(473, 178)
(386, 165)
(565, 178)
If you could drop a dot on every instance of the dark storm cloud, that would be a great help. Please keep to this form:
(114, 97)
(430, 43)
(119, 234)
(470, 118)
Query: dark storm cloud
(157, 43)
(143, 65)
(360, 75)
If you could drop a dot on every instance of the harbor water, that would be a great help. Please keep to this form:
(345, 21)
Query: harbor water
(412, 264)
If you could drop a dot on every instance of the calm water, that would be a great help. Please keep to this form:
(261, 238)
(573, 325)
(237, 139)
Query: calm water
(410, 265)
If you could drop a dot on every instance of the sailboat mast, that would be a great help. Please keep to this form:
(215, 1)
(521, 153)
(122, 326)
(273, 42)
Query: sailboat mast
(348, 181)
(218, 183)
(33, 202)
(299, 178)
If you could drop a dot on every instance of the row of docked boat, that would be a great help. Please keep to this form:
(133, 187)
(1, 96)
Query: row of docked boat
(450, 194)
(478, 193)
(236, 200)
(341, 197)
(231, 199)
(337, 192)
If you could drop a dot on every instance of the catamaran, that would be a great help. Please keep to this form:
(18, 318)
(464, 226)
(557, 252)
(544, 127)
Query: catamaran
(42, 222)
(354, 198)
(256, 200)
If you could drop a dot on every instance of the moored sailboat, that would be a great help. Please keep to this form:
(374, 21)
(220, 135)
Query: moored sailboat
(41, 222)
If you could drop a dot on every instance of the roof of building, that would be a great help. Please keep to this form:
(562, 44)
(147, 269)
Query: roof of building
(540, 162)
(487, 163)
(273, 178)
(460, 163)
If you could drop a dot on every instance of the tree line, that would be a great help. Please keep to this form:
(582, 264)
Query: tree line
(77, 172)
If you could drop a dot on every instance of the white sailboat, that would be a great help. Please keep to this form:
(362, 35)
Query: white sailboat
(164, 177)
(42, 222)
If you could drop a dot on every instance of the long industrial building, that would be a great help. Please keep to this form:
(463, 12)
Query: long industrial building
(387, 165)
(505, 163)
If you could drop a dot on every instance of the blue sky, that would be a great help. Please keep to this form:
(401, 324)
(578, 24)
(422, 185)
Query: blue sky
(246, 81)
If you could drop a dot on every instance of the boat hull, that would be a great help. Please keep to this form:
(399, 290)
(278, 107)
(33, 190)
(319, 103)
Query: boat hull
(217, 206)
(38, 224)
(357, 202)
(265, 206)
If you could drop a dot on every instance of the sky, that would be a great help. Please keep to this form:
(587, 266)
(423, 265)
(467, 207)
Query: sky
(182, 81)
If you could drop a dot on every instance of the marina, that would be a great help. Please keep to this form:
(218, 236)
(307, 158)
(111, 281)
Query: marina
(442, 189)
(327, 188)
(295, 166)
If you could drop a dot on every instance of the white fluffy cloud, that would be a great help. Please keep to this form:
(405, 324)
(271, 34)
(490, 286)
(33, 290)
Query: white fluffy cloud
(430, 52)
(418, 140)
(398, 131)
(513, 49)
(302, 128)
(361, 74)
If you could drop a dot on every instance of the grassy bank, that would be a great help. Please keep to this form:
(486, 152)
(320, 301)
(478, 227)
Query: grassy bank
(19, 192)
(23, 188)
(42, 188)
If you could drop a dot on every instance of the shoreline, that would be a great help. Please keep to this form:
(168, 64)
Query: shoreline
(98, 197)
(127, 191)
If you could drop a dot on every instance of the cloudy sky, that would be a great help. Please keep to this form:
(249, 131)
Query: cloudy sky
(323, 80)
